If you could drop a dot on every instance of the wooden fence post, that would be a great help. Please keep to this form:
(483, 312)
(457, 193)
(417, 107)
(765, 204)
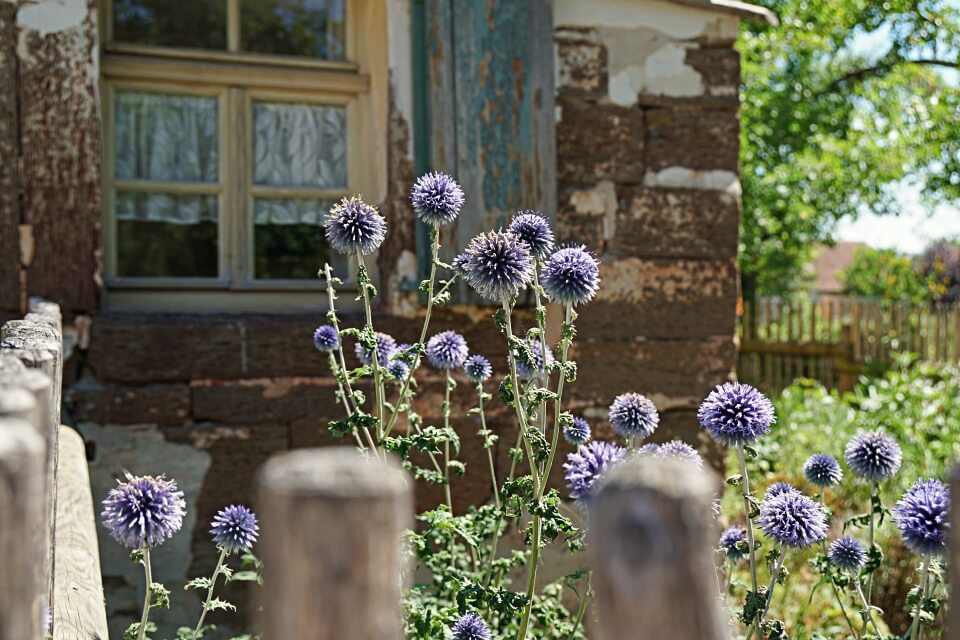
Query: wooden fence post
(23, 595)
(953, 558)
(332, 526)
(650, 546)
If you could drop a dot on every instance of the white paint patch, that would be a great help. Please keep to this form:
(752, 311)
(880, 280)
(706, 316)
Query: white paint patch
(52, 16)
(683, 178)
(599, 201)
(676, 21)
(625, 84)
(667, 72)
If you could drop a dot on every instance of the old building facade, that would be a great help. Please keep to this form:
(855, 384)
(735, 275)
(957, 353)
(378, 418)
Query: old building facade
(153, 183)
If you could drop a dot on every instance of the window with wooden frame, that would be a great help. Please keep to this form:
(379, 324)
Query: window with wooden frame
(230, 128)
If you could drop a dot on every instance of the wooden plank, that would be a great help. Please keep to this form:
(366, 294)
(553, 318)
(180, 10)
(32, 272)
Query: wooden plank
(362, 506)
(23, 594)
(78, 586)
(650, 533)
(803, 349)
(10, 152)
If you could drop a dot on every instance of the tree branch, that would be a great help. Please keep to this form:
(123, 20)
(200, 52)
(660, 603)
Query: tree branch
(860, 74)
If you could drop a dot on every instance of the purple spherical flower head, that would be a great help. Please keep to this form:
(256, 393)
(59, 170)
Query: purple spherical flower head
(681, 451)
(234, 529)
(470, 626)
(633, 416)
(477, 368)
(534, 230)
(498, 265)
(847, 554)
(460, 262)
(793, 519)
(534, 368)
(353, 226)
(736, 414)
(923, 516)
(386, 347)
(729, 543)
(822, 470)
(588, 464)
(325, 338)
(447, 350)
(873, 456)
(577, 432)
(144, 511)
(571, 275)
(649, 449)
(778, 489)
(398, 369)
(436, 198)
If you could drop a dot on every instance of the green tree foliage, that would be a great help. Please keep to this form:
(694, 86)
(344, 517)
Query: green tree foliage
(888, 275)
(841, 101)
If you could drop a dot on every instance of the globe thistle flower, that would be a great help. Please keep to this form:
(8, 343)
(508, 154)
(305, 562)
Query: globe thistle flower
(498, 265)
(144, 511)
(681, 451)
(478, 369)
(470, 626)
(922, 516)
(736, 414)
(873, 456)
(386, 347)
(402, 352)
(534, 368)
(234, 529)
(447, 350)
(571, 275)
(398, 369)
(460, 262)
(729, 540)
(577, 432)
(436, 199)
(354, 226)
(325, 338)
(633, 416)
(534, 230)
(588, 464)
(847, 554)
(778, 489)
(649, 449)
(793, 519)
(822, 470)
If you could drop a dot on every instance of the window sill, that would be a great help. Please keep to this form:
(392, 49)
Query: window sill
(227, 301)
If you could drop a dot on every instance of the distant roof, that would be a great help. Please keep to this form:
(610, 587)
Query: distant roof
(742, 9)
(829, 262)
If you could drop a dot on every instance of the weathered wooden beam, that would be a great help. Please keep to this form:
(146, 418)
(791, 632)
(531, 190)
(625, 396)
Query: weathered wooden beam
(332, 523)
(650, 546)
(953, 560)
(23, 594)
(9, 151)
(78, 586)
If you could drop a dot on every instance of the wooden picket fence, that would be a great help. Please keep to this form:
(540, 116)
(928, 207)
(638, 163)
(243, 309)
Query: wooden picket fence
(835, 339)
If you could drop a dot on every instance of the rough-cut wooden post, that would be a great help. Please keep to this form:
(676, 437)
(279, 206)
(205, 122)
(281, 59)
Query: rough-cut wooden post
(332, 523)
(22, 592)
(650, 546)
(953, 561)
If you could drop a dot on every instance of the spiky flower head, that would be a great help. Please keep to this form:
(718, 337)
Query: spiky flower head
(730, 541)
(530, 368)
(680, 450)
(143, 511)
(847, 554)
(386, 347)
(460, 262)
(822, 470)
(354, 226)
(633, 416)
(498, 265)
(649, 449)
(447, 350)
(587, 465)
(873, 456)
(325, 338)
(778, 489)
(470, 626)
(571, 275)
(793, 519)
(736, 414)
(923, 516)
(398, 369)
(234, 529)
(477, 368)
(436, 198)
(577, 432)
(534, 230)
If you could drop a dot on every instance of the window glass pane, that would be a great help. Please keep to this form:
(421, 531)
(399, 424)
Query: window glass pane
(300, 145)
(166, 235)
(288, 239)
(311, 28)
(165, 137)
(196, 24)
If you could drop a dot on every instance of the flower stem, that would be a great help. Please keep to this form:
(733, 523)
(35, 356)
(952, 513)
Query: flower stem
(543, 377)
(517, 398)
(332, 360)
(483, 427)
(867, 612)
(874, 488)
(531, 578)
(206, 603)
(774, 574)
(374, 356)
(448, 383)
(564, 350)
(142, 630)
(916, 628)
(843, 609)
(745, 491)
(582, 610)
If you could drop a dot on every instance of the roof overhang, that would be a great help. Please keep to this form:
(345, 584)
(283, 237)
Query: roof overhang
(735, 7)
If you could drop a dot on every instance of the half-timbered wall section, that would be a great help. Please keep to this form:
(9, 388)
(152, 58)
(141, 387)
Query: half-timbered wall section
(618, 118)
